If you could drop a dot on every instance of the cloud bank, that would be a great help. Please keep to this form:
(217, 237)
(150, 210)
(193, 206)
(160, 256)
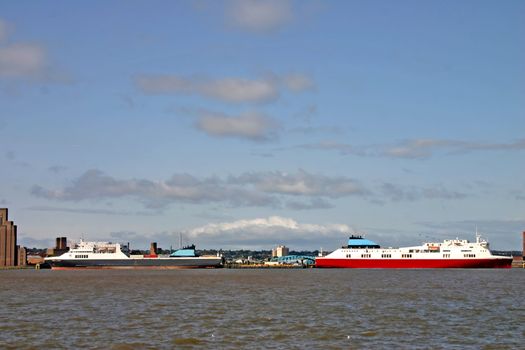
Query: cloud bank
(298, 191)
(183, 188)
(265, 233)
(250, 189)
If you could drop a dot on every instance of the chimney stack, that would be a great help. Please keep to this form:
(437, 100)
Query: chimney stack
(63, 243)
(153, 248)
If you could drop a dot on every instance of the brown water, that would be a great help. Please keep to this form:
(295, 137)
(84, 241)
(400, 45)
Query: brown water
(263, 309)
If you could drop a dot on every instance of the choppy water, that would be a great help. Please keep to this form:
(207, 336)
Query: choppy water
(263, 309)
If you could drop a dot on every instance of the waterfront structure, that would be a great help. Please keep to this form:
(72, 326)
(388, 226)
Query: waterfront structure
(303, 260)
(523, 251)
(8, 247)
(34, 259)
(451, 253)
(22, 255)
(280, 251)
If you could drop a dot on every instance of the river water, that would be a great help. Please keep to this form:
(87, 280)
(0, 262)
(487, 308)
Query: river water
(263, 309)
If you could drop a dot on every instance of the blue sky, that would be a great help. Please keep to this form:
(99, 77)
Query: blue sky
(246, 124)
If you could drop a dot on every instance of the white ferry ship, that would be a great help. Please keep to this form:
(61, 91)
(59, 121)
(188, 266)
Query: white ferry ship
(113, 256)
(451, 253)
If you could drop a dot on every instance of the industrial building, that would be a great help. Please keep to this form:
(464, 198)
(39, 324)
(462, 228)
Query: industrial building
(280, 251)
(60, 247)
(10, 253)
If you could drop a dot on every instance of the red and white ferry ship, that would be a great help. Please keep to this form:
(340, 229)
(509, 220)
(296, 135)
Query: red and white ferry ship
(451, 253)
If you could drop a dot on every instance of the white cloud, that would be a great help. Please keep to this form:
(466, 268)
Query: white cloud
(22, 60)
(315, 203)
(419, 148)
(241, 90)
(302, 183)
(425, 148)
(298, 82)
(259, 15)
(228, 89)
(233, 90)
(416, 148)
(411, 193)
(251, 125)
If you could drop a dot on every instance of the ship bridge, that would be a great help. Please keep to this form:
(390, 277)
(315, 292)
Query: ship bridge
(360, 242)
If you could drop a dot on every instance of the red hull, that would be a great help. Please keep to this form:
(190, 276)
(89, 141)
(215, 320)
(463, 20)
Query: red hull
(414, 263)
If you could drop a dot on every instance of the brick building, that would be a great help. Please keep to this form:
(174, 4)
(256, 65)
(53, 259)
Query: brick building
(8, 248)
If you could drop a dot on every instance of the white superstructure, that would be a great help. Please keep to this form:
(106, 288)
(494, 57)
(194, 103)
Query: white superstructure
(448, 249)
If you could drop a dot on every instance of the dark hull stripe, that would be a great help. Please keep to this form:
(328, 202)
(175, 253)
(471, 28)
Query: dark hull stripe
(137, 263)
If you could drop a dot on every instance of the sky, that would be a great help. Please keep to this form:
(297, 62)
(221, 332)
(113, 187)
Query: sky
(248, 124)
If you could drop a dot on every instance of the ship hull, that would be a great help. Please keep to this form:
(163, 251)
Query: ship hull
(148, 263)
(413, 263)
